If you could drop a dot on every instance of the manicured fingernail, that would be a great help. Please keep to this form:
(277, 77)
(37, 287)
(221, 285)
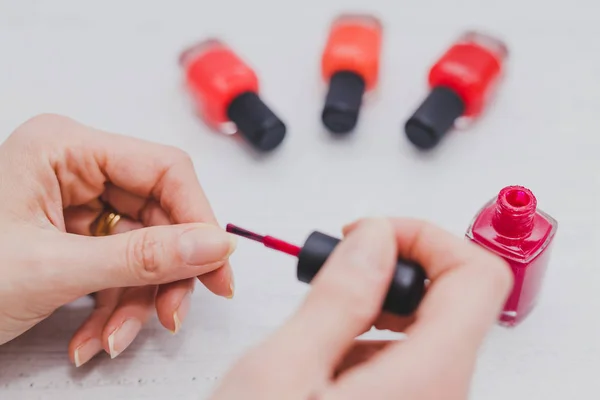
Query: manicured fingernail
(349, 226)
(182, 311)
(87, 351)
(206, 245)
(370, 253)
(232, 244)
(231, 288)
(121, 338)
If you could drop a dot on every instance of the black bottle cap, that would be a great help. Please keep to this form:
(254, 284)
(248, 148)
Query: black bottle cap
(406, 289)
(256, 122)
(342, 104)
(434, 117)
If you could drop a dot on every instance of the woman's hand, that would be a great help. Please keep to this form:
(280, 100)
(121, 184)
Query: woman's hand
(315, 355)
(56, 176)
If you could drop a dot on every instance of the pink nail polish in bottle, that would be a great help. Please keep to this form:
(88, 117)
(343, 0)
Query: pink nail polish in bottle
(512, 227)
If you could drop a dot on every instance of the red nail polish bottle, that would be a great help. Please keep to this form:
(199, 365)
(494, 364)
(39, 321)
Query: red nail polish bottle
(226, 91)
(462, 82)
(512, 227)
(350, 65)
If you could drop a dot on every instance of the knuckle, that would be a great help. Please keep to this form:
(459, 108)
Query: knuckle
(41, 126)
(47, 118)
(419, 240)
(42, 123)
(186, 159)
(179, 156)
(144, 256)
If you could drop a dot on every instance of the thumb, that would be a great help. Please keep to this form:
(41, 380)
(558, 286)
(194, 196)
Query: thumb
(145, 256)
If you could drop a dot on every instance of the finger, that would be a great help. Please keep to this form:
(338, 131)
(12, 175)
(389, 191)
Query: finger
(79, 219)
(346, 297)
(468, 289)
(468, 282)
(220, 281)
(132, 312)
(362, 351)
(145, 256)
(173, 302)
(87, 341)
(145, 210)
(146, 169)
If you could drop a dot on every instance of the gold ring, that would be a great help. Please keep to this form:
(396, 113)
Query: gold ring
(105, 223)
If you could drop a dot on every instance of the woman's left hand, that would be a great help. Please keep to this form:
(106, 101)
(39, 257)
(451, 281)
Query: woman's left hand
(56, 179)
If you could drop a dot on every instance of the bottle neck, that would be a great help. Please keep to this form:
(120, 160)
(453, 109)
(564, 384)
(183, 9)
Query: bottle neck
(515, 209)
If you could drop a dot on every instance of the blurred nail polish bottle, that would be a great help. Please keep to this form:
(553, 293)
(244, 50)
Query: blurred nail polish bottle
(462, 82)
(226, 91)
(512, 227)
(350, 65)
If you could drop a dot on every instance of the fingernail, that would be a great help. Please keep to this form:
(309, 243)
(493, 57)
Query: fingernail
(87, 351)
(232, 244)
(206, 245)
(369, 234)
(231, 288)
(182, 311)
(121, 338)
(349, 226)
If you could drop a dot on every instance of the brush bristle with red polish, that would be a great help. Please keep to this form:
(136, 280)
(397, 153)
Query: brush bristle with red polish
(268, 241)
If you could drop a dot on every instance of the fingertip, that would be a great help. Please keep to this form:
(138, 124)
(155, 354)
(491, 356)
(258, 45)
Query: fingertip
(129, 316)
(495, 268)
(220, 281)
(86, 351)
(350, 227)
(181, 312)
(173, 302)
(87, 341)
(204, 244)
(118, 339)
(377, 231)
(501, 275)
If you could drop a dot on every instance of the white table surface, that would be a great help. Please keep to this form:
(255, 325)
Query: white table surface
(112, 64)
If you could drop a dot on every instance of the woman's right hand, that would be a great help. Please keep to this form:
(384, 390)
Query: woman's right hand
(315, 355)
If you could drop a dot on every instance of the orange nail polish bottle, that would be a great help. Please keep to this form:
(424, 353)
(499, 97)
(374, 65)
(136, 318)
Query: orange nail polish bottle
(350, 65)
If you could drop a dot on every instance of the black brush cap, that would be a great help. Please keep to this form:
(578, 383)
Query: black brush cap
(406, 289)
(343, 101)
(256, 122)
(434, 117)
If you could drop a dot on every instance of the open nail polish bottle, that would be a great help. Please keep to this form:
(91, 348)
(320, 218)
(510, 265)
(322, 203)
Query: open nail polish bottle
(462, 82)
(350, 66)
(511, 226)
(226, 91)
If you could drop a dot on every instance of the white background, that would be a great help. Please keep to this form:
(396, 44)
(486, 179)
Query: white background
(112, 65)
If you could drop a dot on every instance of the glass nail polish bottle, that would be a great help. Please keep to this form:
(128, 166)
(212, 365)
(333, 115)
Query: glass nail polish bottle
(511, 226)
(226, 91)
(350, 65)
(462, 82)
